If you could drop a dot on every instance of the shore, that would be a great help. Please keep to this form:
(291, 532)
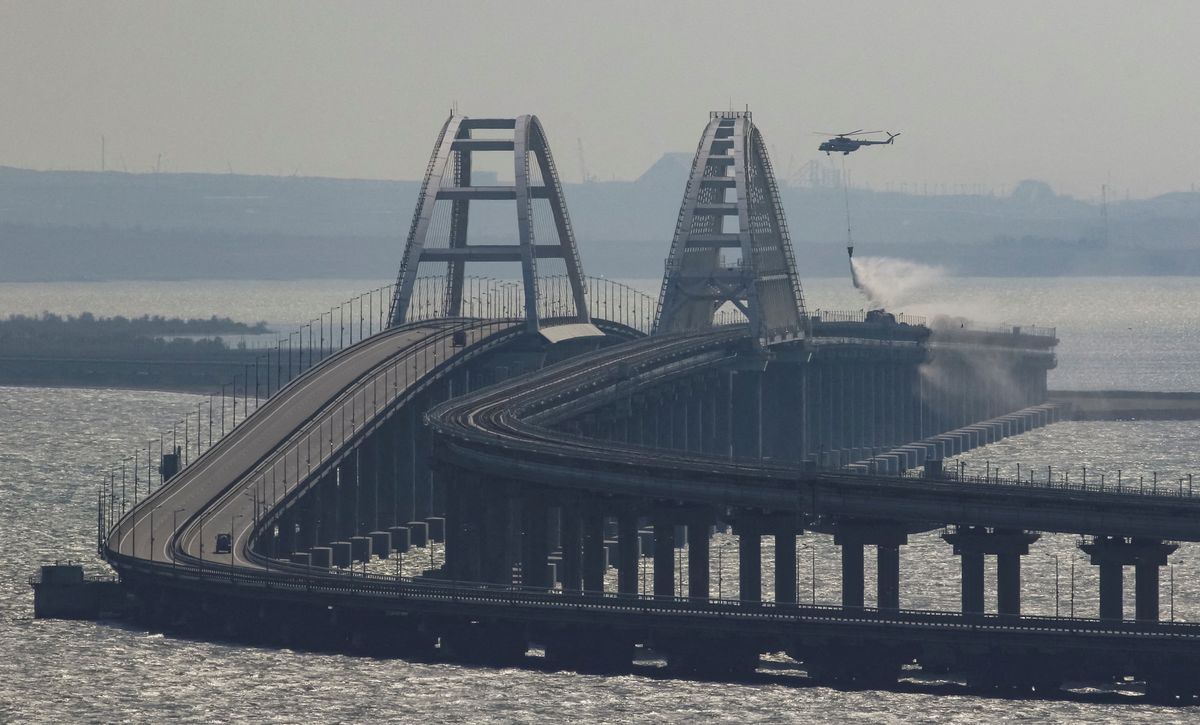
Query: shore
(1127, 405)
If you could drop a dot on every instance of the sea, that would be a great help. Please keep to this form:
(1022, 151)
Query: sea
(1116, 333)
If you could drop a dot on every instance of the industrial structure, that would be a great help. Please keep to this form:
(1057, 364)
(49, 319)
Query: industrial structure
(548, 440)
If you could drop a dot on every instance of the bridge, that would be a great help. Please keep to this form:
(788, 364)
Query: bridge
(553, 430)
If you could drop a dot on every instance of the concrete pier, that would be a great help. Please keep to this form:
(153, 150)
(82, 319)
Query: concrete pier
(887, 537)
(972, 543)
(1111, 554)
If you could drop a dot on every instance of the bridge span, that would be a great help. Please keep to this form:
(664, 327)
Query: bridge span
(537, 431)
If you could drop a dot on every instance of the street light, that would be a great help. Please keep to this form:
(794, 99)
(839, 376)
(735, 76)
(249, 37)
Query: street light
(1056, 597)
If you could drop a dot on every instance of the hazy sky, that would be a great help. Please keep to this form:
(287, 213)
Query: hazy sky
(984, 92)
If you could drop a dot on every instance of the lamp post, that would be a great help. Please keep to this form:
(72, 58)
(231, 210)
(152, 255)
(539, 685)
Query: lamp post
(1171, 577)
(1056, 597)
(1072, 586)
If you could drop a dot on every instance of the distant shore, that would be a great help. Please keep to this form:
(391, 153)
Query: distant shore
(148, 352)
(1128, 405)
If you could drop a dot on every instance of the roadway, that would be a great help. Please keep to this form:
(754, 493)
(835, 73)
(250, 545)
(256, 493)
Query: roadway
(510, 428)
(507, 427)
(256, 466)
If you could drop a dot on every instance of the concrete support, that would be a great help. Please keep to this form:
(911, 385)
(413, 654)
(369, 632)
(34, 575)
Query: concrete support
(852, 574)
(594, 565)
(534, 542)
(1112, 554)
(887, 537)
(664, 557)
(1145, 589)
(1111, 590)
(972, 582)
(496, 560)
(785, 567)
(749, 561)
(746, 413)
(698, 559)
(972, 543)
(627, 553)
(571, 540)
(1008, 583)
(888, 577)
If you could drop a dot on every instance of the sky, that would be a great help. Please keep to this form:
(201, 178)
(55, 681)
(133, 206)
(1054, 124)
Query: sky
(1078, 94)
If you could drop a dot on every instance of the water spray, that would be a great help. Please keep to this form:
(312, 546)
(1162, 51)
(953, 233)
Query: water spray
(849, 236)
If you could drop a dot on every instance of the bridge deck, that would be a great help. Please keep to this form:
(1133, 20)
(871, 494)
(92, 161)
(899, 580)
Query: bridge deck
(257, 466)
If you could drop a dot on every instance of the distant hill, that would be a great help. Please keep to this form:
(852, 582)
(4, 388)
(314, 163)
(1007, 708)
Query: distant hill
(57, 225)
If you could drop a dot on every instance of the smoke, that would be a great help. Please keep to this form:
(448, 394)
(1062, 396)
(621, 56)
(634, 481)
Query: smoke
(893, 283)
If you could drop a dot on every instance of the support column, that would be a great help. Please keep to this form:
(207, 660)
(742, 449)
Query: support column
(887, 537)
(785, 566)
(1112, 554)
(496, 560)
(746, 408)
(592, 522)
(972, 582)
(852, 574)
(627, 553)
(534, 542)
(1112, 596)
(664, 556)
(1008, 583)
(571, 540)
(1145, 588)
(972, 543)
(698, 559)
(888, 577)
(749, 561)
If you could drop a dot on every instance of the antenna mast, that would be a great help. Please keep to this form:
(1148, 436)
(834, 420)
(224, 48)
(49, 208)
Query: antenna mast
(583, 170)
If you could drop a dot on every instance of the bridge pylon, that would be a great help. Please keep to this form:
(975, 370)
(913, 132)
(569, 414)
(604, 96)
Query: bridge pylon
(731, 247)
(438, 238)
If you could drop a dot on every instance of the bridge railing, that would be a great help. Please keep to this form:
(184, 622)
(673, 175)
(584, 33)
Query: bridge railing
(124, 483)
(307, 581)
(1176, 487)
(820, 315)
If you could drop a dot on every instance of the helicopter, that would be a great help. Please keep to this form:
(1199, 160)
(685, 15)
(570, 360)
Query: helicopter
(845, 144)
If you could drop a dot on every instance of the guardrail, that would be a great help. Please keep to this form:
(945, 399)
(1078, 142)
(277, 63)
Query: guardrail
(819, 315)
(137, 475)
(340, 583)
(1180, 488)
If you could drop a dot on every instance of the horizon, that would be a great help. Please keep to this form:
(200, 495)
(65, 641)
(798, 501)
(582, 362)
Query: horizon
(914, 189)
(358, 91)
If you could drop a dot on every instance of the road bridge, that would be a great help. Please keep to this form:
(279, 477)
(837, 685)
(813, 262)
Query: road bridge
(539, 433)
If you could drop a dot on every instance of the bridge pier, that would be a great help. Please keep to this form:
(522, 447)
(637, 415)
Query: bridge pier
(698, 556)
(887, 537)
(972, 543)
(496, 559)
(664, 555)
(627, 552)
(535, 548)
(593, 563)
(571, 543)
(1111, 554)
(749, 533)
(746, 412)
(785, 565)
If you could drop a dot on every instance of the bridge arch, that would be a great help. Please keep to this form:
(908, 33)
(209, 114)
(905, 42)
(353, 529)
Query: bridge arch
(731, 180)
(439, 236)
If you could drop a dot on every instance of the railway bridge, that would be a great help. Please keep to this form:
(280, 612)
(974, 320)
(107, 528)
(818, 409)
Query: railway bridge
(561, 435)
